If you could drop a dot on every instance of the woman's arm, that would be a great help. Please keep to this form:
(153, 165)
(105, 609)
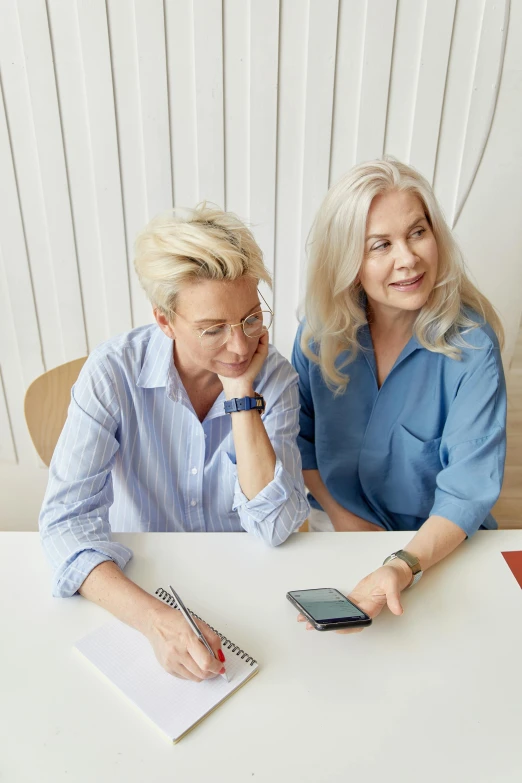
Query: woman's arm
(270, 495)
(435, 540)
(255, 455)
(342, 519)
(74, 519)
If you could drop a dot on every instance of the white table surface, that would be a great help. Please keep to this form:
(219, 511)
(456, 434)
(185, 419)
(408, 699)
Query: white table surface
(434, 695)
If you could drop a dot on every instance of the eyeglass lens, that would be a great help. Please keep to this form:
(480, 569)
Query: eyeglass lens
(253, 326)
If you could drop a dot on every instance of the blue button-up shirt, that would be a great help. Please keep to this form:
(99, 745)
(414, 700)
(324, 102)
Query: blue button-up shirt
(430, 441)
(133, 456)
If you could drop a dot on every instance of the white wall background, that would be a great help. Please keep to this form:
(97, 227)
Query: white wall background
(111, 111)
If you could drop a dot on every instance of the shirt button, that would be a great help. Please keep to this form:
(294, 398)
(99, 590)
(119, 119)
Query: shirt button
(194, 471)
(193, 503)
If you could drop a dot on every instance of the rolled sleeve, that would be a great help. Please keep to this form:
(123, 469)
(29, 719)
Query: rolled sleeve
(473, 448)
(269, 499)
(306, 437)
(72, 572)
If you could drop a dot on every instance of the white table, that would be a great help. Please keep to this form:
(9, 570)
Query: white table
(435, 695)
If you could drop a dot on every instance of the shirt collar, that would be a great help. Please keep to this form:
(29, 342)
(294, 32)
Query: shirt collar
(158, 366)
(159, 371)
(364, 339)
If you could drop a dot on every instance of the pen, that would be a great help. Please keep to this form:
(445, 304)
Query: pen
(190, 620)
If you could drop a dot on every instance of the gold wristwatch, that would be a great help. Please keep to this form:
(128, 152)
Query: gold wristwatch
(410, 560)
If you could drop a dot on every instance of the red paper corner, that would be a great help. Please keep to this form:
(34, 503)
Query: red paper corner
(514, 561)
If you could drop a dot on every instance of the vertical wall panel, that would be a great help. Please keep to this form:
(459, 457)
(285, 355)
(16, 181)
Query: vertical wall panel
(236, 99)
(179, 33)
(14, 382)
(63, 20)
(459, 84)
(293, 36)
(32, 140)
(320, 74)
(137, 40)
(38, 56)
(375, 77)
(154, 107)
(264, 45)
(407, 57)
(350, 43)
(18, 303)
(483, 96)
(123, 36)
(97, 75)
(7, 447)
(431, 81)
(208, 58)
(423, 32)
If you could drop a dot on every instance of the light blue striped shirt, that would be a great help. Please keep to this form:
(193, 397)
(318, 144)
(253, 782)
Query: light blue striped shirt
(133, 456)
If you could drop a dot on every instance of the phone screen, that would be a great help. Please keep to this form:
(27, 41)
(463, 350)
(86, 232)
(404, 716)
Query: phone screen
(326, 603)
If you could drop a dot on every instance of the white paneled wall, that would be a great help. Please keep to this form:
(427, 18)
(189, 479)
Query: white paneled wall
(113, 110)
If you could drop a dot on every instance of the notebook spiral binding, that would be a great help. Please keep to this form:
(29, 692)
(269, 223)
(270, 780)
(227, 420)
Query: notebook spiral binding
(169, 599)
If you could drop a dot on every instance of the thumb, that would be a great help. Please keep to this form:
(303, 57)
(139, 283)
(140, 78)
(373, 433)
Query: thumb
(393, 598)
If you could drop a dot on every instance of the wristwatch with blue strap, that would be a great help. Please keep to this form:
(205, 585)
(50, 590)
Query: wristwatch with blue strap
(236, 404)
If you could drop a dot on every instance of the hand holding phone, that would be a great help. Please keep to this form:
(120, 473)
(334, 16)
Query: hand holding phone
(327, 609)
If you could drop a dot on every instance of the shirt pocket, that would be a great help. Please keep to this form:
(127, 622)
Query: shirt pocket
(413, 477)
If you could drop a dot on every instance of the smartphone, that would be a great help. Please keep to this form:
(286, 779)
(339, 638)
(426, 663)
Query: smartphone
(327, 609)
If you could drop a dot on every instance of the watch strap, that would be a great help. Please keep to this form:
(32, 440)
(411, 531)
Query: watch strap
(237, 404)
(411, 561)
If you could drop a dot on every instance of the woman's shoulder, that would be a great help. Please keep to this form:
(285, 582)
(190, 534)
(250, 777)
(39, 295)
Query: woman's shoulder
(478, 336)
(479, 332)
(479, 345)
(127, 351)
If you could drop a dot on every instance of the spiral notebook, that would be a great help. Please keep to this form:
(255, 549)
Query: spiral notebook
(126, 658)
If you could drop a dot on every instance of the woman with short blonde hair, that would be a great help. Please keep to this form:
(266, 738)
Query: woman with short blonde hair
(402, 391)
(186, 425)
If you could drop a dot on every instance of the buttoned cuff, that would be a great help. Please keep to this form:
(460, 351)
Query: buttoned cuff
(70, 576)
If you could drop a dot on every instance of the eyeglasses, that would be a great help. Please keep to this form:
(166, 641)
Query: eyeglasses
(253, 326)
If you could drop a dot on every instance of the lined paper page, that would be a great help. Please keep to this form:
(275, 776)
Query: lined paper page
(126, 657)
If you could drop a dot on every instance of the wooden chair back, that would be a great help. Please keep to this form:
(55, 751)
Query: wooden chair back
(46, 403)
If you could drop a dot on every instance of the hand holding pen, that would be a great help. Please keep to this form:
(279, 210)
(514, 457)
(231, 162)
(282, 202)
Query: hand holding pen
(192, 623)
(178, 648)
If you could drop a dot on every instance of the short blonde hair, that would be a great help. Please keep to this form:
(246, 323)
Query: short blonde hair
(189, 245)
(334, 302)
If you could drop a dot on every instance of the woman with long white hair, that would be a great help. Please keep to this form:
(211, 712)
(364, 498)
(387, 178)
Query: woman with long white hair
(403, 399)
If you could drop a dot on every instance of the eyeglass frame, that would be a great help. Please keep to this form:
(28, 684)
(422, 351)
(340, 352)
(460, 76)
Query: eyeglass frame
(232, 326)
